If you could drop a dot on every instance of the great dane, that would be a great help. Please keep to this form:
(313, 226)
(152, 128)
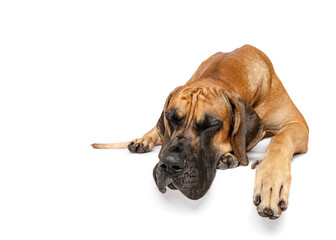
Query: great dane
(232, 101)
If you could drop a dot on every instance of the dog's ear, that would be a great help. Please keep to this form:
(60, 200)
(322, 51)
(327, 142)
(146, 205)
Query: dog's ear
(161, 126)
(247, 127)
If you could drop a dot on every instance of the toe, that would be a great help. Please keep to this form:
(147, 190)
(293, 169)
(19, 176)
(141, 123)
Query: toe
(222, 165)
(135, 147)
(231, 160)
(284, 194)
(141, 148)
(274, 200)
(263, 207)
(257, 192)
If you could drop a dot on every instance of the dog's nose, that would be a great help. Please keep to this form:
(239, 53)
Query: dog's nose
(172, 164)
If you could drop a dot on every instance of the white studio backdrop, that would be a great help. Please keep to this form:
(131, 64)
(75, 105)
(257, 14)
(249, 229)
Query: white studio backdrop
(77, 72)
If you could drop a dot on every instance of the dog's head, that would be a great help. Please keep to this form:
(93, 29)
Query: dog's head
(197, 126)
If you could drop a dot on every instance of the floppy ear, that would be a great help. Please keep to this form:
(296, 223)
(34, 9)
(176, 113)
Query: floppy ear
(248, 128)
(160, 126)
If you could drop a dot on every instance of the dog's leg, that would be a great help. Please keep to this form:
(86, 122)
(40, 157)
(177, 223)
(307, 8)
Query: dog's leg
(146, 143)
(273, 177)
(138, 145)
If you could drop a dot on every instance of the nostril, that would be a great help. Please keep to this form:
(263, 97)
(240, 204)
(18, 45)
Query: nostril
(163, 167)
(176, 168)
(176, 148)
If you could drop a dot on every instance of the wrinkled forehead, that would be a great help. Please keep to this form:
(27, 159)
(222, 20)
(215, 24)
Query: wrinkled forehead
(199, 102)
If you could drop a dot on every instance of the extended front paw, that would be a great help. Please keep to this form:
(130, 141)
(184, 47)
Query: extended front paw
(271, 190)
(140, 145)
(227, 160)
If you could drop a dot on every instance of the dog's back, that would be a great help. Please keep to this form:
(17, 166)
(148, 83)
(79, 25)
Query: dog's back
(248, 72)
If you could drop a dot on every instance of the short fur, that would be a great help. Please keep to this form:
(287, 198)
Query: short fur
(232, 101)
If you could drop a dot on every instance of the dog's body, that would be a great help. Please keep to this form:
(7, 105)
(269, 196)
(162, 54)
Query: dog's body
(231, 102)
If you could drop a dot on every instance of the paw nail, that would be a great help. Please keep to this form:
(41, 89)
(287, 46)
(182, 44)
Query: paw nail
(282, 205)
(262, 214)
(266, 210)
(257, 200)
(255, 164)
(130, 146)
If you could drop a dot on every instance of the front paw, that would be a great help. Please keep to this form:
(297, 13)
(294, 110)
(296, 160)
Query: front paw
(271, 189)
(227, 160)
(140, 145)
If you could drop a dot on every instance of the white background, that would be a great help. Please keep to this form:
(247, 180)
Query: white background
(77, 72)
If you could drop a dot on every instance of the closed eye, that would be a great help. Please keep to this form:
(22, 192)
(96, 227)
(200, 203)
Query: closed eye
(207, 125)
(174, 120)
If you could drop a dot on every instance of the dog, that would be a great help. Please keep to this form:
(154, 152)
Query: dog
(232, 101)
